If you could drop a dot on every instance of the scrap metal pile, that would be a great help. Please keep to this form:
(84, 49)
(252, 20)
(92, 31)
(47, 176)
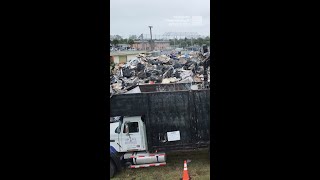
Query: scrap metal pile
(173, 68)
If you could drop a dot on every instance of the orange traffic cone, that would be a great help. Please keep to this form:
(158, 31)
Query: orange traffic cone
(185, 172)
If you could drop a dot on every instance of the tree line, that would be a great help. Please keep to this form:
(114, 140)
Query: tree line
(122, 41)
(190, 42)
(186, 42)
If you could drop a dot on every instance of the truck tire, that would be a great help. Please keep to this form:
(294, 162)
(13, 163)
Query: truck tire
(112, 169)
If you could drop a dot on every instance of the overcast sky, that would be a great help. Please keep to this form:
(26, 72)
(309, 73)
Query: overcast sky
(132, 17)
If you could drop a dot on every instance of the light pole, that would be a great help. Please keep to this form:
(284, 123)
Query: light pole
(191, 41)
(151, 38)
(145, 45)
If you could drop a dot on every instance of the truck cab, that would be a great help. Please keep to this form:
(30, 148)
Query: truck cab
(128, 135)
(128, 145)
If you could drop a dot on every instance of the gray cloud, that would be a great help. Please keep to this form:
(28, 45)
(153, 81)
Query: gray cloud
(129, 17)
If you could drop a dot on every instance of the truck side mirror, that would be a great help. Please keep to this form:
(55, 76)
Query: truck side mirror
(117, 130)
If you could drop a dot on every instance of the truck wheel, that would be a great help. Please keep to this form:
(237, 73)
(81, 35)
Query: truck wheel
(112, 169)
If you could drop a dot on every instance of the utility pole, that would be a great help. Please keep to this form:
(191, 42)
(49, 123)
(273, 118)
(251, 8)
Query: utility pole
(191, 41)
(145, 45)
(151, 38)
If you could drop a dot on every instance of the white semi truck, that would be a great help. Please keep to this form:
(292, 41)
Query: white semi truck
(152, 123)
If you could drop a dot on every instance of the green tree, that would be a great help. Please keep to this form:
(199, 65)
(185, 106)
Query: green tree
(115, 42)
(183, 44)
(179, 42)
(122, 41)
(207, 40)
(171, 42)
(131, 42)
(200, 41)
(195, 42)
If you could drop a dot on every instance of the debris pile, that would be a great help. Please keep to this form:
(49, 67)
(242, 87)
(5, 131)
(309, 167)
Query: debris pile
(172, 68)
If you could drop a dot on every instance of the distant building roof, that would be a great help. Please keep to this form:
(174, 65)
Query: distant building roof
(118, 53)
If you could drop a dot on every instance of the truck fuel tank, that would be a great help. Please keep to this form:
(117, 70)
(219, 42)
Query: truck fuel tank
(147, 158)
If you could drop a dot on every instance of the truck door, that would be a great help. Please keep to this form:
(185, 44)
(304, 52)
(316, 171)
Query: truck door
(131, 138)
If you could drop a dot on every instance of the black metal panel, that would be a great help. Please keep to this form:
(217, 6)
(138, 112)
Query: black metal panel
(128, 105)
(202, 114)
(168, 111)
(184, 111)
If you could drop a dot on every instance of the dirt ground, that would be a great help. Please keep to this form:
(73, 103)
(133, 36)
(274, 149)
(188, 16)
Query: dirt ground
(199, 168)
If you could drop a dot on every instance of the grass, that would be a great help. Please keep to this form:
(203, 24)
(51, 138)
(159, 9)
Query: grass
(198, 168)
